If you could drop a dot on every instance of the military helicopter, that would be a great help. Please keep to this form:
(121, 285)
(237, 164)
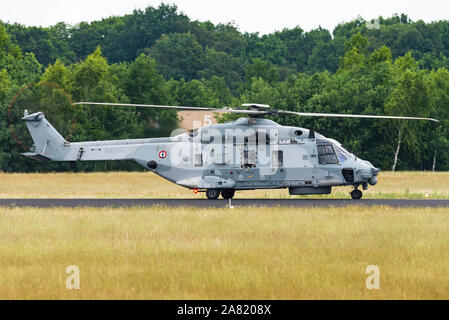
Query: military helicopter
(247, 154)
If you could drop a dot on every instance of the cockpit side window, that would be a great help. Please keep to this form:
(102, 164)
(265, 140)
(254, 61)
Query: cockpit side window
(331, 153)
(326, 154)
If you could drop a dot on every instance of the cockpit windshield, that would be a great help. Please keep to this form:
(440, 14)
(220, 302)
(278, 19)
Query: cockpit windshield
(342, 154)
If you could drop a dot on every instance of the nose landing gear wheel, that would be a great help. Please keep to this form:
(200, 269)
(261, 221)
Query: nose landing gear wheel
(356, 194)
(227, 193)
(212, 194)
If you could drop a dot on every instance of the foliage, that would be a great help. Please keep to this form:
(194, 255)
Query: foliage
(160, 56)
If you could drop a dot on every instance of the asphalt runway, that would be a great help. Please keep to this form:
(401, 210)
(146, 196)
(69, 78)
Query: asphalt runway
(204, 203)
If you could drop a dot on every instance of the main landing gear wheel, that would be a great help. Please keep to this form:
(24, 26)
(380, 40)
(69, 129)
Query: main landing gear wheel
(227, 193)
(212, 194)
(356, 194)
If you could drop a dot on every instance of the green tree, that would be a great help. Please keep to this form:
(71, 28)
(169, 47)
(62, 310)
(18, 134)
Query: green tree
(409, 98)
(260, 91)
(145, 85)
(262, 69)
(91, 79)
(383, 54)
(355, 52)
(9, 149)
(223, 65)
(53, 98)
(57, 74)
(439, 135)
(219, 89)
(191, 93)
(179, 56)
(229, 40)
(92, 83)
(6, 46)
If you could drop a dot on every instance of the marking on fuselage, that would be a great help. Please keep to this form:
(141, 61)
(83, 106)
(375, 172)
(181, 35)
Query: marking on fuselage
(163, 154)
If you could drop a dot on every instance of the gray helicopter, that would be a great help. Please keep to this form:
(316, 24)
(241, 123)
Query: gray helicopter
(247, 154)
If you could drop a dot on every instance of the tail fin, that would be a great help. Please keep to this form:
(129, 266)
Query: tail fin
(48, 143)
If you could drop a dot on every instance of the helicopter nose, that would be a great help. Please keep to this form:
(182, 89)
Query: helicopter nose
(373, 180)
(368, 173)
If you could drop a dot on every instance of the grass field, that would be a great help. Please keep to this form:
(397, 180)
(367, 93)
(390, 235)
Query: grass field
(245, 253)
(148, 185)
(241, 253)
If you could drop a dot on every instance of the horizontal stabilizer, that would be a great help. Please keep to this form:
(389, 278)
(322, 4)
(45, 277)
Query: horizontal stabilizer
(36, 156)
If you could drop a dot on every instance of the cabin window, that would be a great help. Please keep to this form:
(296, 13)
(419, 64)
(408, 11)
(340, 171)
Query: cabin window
(259, 137)
(277, 158)
(249, 158)
(326, 154)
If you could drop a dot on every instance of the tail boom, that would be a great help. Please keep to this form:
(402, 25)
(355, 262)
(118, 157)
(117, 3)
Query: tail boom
(50, 145)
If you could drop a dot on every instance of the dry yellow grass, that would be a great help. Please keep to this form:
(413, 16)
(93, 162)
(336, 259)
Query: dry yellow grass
(148, 185)
(245, 253)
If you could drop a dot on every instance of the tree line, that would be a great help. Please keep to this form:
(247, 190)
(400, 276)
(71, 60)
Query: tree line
(159, 56)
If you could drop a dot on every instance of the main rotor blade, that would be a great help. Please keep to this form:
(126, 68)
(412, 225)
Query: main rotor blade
(143, 106)
(337, 115)
(255, 112)
(230, 110)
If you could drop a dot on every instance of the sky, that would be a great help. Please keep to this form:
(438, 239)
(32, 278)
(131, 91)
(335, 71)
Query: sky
(263, 16)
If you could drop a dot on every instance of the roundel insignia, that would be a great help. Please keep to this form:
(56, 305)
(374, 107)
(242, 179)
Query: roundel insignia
(163, 154)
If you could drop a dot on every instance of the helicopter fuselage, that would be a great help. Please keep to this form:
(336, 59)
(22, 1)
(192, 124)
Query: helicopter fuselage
(249, 153)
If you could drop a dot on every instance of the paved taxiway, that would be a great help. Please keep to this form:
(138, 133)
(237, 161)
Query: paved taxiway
(204, 203)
